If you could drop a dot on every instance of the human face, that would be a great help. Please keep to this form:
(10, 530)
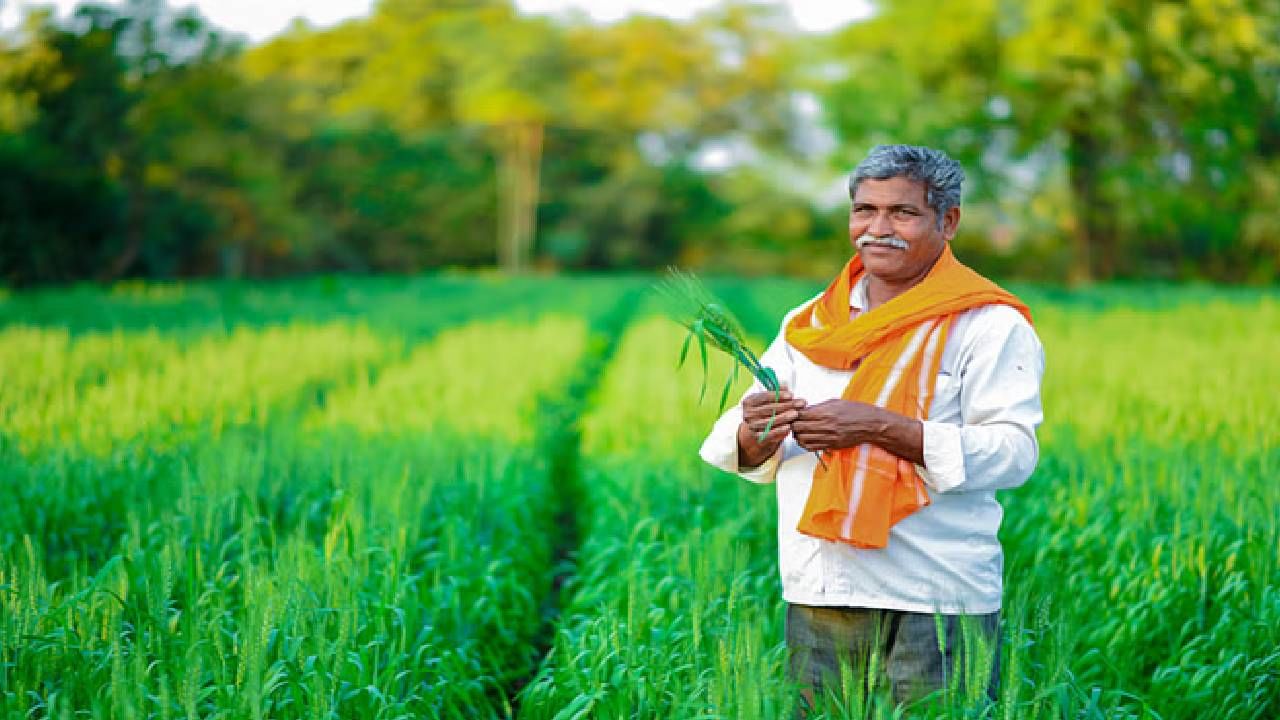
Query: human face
(897, 207)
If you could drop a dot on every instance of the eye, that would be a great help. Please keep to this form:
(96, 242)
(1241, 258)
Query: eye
(862, 211)
(905, 214)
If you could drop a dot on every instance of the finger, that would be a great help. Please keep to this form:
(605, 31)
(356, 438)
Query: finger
(811, 410)
(807, 442)
(767, 401)
(813, 445)
(781, 418)
(770, 411)
(776, 436)
(785, 417)
(811, 437)
(820, 407)
(816, 422)
(765, 424)
(770, 441)
(791, 405)
(768, 397)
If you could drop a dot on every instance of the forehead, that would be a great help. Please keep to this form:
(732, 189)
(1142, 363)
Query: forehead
(892, 191)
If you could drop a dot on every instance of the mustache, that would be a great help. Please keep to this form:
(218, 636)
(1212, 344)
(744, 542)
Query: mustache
(892, 241)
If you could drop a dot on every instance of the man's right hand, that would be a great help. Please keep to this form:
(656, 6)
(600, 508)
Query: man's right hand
(757, 409)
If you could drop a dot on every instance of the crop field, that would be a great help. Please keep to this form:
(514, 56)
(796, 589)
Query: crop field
(463, 496)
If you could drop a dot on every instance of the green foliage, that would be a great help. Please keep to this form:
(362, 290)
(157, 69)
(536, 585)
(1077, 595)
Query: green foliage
(245, 542)
(1140, 557)
(1125, 139)
(138, 119)
(1097, 127)
(392, 202)
(333, 497)
(709, 321)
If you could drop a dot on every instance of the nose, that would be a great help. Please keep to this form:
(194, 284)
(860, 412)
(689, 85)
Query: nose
(880, 226)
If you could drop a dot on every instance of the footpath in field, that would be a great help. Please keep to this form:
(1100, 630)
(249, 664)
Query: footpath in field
(381, 548)
(95, 422)
(1142, 557)
(458, 498)
(674, 611)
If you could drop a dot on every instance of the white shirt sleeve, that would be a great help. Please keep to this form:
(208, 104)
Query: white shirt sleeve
(721, 446)
(994, 447)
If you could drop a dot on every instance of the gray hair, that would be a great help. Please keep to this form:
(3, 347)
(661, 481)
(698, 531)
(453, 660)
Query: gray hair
(941, 176)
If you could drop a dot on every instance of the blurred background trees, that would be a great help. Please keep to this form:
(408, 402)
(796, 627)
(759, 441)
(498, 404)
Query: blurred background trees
(1118, 139)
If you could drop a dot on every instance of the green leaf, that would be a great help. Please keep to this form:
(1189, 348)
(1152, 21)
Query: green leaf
(706, 368)
(772, 379)
(768, 426)
(728, 385)
(684, 349)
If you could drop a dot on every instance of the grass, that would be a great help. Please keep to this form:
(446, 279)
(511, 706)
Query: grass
(280, 543)
(462, 497)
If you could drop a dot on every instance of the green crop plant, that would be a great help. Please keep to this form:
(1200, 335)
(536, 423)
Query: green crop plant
(281, 561)
(413, 497)
(674, 597)
(221, 380)
(1142, 555)
(296, 574)
(709, 321)
(455, 382)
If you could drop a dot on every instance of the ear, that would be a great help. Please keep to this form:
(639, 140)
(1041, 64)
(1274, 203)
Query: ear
(950, 223)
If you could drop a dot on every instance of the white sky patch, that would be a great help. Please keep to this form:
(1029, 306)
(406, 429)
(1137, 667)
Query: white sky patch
(724, 153)
(261, 19)
(824, 15)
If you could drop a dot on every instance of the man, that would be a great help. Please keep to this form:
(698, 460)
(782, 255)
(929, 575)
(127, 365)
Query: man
(912, 395)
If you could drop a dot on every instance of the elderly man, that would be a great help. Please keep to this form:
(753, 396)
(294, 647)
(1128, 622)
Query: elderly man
(913, 394)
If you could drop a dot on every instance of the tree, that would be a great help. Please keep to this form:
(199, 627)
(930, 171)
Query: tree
(651, 94)
(428, 66)
(1132, 108)
(62, 145)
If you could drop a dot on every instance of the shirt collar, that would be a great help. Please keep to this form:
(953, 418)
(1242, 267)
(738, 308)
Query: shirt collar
(858, 295)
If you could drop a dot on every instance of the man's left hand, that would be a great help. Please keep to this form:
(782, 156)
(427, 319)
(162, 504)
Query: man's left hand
(837, 424)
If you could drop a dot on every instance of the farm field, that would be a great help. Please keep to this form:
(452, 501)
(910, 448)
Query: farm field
(475, 497)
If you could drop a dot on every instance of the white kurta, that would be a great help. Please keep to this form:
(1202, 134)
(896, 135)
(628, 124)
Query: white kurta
(979, 437)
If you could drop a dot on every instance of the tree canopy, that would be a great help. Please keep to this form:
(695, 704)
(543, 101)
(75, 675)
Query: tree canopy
(1118, 139)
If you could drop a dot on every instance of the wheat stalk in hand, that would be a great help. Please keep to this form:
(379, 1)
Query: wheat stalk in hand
(709, 321)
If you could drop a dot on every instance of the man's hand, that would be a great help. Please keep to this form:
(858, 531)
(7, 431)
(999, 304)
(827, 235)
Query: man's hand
(757, 410)
(837, 424)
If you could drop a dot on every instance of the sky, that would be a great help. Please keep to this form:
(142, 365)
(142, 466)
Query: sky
(260, 19)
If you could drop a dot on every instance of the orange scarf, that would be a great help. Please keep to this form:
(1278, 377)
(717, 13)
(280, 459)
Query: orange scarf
(896, 350)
